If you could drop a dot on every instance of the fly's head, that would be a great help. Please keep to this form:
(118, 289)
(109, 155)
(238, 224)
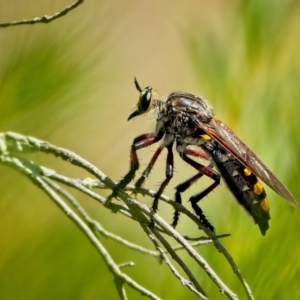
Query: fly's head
(146, 100)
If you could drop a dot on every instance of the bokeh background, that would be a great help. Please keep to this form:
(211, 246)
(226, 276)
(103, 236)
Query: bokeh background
(70, 82)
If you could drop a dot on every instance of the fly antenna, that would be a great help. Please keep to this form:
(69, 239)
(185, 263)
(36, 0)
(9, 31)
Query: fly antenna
(137, 85)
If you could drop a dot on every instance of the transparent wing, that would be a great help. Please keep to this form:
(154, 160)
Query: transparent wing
(225, 137)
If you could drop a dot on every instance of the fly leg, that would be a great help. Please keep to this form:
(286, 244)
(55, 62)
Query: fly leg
(182, 187)
(139, 142)
(169, 175)
(203, 170)
(147, 171)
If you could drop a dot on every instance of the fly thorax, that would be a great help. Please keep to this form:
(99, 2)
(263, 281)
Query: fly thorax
(179, 123)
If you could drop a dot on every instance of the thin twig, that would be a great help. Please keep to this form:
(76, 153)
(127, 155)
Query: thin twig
(213, 238)
(234, 267)
(16, 143)
(112, 266)
(29, 170)
(99, 228)
(96, 225)
(144, 222)
(165, 226)
(12, 142)
(182, 209)
(77, 184)
(45, 18)
(197, 289)
(127, 264)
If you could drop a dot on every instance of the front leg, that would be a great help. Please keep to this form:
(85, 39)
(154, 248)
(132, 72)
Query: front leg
(147, 171)
(139, 142)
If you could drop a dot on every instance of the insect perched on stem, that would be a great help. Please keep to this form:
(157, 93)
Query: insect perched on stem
(188, 120)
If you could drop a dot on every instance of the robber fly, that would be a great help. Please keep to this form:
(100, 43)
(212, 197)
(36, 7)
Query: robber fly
(188, 120)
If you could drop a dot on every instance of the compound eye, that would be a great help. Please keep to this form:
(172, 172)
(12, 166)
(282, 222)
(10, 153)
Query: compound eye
(145, 99)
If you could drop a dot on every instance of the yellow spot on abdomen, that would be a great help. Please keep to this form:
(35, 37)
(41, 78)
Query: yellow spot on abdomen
(206, 137)
(247, 172)
(258, 188)
(265, 205)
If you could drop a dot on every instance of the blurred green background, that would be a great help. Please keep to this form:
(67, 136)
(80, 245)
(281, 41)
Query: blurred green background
(70, 82)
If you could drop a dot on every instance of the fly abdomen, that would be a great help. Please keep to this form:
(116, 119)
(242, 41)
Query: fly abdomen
(243, 184)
